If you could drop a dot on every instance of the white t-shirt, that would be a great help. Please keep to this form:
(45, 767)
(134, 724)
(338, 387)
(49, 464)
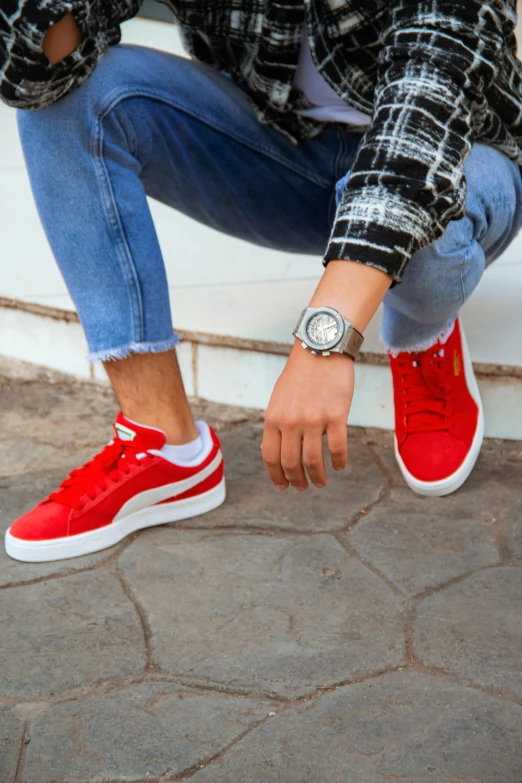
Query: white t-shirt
(327, 105)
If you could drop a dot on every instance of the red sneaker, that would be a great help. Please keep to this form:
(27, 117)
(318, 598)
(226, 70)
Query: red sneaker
(439, 422)
(128, 486)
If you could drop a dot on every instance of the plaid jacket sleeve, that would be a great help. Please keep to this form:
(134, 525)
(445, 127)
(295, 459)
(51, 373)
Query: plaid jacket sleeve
(438, 58)
(27, 80)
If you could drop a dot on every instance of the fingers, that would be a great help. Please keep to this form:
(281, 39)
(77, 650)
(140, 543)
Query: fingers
(291, 456)
(289, 448)
(271, 453)
(313, 456)
(337, 439)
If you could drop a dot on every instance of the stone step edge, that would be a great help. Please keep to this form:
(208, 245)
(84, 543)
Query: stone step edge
(482, 369)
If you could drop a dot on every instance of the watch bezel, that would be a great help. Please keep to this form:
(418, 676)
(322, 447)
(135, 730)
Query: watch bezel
(313, 313)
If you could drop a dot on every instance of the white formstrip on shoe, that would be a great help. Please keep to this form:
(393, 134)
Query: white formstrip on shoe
(115, 531)
(455, 480)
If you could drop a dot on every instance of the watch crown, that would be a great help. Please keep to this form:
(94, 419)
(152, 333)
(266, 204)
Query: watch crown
(326, 353)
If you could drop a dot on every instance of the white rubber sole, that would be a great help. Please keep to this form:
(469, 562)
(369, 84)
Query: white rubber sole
(113, 533)
(455, 480)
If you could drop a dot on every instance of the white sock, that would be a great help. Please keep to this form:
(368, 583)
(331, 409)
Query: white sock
(184, 453)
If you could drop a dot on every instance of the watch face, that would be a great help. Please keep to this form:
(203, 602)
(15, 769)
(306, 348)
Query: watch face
(324, 330)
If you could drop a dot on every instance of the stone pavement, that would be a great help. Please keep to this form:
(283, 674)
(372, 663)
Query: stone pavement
(357, 634)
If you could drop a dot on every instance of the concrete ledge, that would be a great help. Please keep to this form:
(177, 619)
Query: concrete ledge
(482, 369)
(240, 371)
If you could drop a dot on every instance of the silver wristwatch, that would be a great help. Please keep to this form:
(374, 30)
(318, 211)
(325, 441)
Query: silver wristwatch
(324, 331)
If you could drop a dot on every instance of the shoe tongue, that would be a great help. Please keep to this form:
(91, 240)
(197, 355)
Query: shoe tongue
(141, 436)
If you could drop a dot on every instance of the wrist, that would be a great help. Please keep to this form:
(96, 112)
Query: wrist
(355, 290)
(317, 372)
(307, 357)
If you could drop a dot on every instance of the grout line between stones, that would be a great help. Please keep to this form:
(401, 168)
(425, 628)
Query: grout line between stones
(408, 622)
(191, 771)
(142, 616)
(281, 706)
(49, 578)
(370, 445)
(107, 561)
(348, 547)
(200, 685)
(435, 671)
(269, 532)
(194, 684)
(344, 541)
(289, 705)
(429, 591)
(147, 677)
(382, 495)
(410, 610)
(23, 751)
(321, 690)
(275, 532)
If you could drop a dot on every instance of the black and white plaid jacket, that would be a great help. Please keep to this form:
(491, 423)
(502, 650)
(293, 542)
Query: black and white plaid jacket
(435, 75)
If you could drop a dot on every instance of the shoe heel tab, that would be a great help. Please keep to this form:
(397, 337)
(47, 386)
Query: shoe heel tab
(215, 439)
(208, 434)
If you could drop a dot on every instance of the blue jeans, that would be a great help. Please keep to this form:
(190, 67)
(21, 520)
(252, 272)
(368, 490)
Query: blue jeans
(147, 122)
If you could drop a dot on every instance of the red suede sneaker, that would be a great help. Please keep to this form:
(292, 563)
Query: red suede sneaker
(439, 422)
(128, 486)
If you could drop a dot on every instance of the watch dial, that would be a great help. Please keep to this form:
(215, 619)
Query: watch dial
(322, 328)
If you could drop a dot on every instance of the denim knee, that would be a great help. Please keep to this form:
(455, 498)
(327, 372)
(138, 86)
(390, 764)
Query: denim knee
(442, 276)
(436, 284)
(75, 114)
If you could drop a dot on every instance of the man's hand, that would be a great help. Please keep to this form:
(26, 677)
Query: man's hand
(61, 39)
(312, 397)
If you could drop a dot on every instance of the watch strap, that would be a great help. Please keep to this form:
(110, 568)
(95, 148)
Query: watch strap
(350, 343)
(299, 322)
(352, 340)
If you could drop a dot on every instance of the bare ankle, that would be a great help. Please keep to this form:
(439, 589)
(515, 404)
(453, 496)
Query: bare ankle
(150, 391)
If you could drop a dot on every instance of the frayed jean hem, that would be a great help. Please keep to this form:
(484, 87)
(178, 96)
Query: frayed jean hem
(124, 351)
(422, 345)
